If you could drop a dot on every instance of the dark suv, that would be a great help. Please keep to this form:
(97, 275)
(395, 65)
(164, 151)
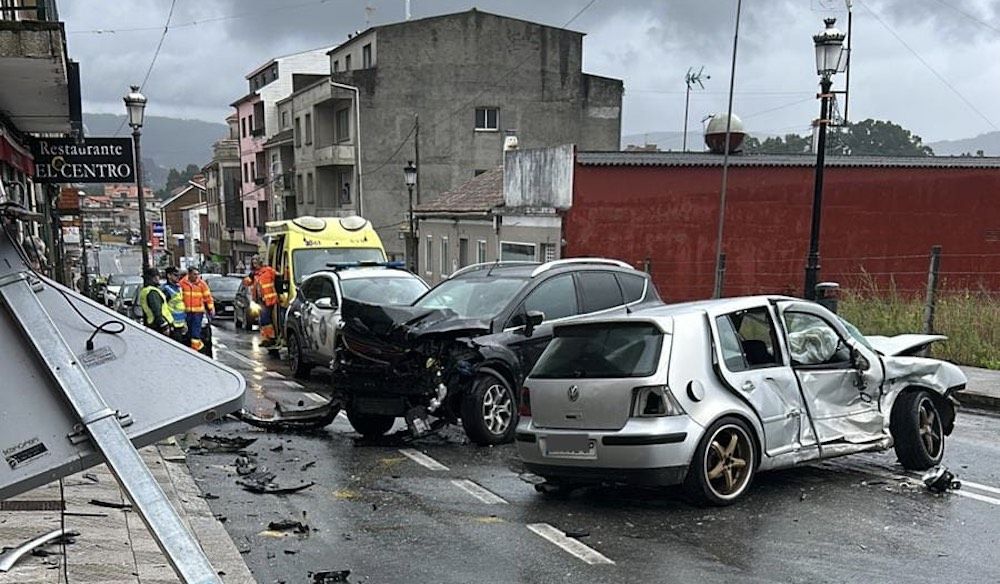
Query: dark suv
(462, 350)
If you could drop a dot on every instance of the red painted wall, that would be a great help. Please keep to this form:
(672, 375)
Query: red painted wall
(878, 224)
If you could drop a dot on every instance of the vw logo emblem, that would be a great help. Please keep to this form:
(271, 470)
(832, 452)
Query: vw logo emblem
(573, 393)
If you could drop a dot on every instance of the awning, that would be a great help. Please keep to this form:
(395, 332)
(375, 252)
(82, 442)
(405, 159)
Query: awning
(16, 155)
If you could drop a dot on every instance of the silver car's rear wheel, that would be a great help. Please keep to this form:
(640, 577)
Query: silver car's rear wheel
(723, 465)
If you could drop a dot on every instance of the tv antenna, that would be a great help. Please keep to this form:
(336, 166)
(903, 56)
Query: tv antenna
(690, 79)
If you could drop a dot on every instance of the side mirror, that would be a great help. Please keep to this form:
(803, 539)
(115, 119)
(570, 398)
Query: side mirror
(325, 304)
(531, 320)
(859, 361)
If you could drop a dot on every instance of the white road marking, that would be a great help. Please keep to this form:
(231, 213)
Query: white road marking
(292, 384)
(980, 487)
(478, 492)
(422, 459)
(274, 374)
(220, 345)
(915, 480)
(246, 361)
(568, 544)
(975, 496)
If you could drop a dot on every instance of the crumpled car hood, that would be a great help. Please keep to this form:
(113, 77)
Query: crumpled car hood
(408, 323)
(902, 344)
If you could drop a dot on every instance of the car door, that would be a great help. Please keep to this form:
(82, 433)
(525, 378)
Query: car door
(308, 320)
(841, 379)
(752, 362)
(557, 299)
(326, 315)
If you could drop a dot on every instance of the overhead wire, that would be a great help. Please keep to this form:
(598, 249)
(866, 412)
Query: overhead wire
(152, 62)
(971, 17)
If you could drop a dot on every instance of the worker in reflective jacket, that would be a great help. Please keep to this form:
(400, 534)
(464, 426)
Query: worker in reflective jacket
(261, 281)
(175, 301)
(155, 312)
(197, 302)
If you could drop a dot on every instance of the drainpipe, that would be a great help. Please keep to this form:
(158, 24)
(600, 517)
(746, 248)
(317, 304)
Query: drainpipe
(357, 139)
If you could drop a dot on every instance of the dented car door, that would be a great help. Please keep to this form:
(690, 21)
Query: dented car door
(841, 379)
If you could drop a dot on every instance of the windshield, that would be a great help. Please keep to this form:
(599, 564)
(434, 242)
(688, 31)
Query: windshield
(481, 298)
(855, 333)
(601, 351)
(116, 279)
(128, 290)
(221, 284)
(383, 290)
(309, 261)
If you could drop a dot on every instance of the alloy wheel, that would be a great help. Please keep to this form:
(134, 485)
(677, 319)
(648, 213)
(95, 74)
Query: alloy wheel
(929, 424)
(729, 461)
(293, 352)
(498, 408)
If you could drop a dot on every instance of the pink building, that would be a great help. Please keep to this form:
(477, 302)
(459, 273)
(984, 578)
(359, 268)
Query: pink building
(253, 167)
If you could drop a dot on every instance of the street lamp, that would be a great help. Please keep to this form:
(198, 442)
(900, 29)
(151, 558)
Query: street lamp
(829, 50)
(135, 103)
(410, 178)
(232, 249)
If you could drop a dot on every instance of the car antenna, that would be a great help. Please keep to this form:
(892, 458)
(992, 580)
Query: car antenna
(495, 264)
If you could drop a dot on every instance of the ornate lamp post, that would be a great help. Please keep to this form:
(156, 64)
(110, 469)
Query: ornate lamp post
(410, 178)
(135, 103)
(829, 50)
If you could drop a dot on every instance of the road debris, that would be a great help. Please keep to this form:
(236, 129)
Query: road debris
(262, 482)
(289, 525)
(278, 448)
(307, 465)
(111, 504)
(294, 419)
(221, 444)
(11, 556)
(91, 477)
(939, 480)
(245, 466)
(330, 576)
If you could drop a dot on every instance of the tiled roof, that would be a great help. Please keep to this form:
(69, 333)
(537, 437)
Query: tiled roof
(710, 159)
(279, 138)
(482, 193)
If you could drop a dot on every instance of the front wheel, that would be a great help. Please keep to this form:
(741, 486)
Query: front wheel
(489, 411)
(723, 465)
(917, 430)
(296, 360)
(370, 425)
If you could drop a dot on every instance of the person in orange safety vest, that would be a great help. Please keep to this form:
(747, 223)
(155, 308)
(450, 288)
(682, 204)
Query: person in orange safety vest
(197, 301)
(262, 282)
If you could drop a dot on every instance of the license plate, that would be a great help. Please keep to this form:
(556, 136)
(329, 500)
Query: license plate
(574, 445)
(227, 309)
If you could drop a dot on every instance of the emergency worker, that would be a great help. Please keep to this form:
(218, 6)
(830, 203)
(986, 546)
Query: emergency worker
(175, 301)
(155, 312)
(261, 282)
(197, 302)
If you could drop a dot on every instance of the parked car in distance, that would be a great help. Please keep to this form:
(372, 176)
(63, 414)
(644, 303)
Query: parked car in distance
(246, 312)
(707, 394)
(114, 285)
(462, 350)
(127, 297)
(313, 320)
(224, 290)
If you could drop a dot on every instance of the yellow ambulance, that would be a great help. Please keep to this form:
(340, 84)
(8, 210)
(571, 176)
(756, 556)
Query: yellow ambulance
(298, 247)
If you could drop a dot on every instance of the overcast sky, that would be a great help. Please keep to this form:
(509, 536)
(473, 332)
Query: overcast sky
(650, 44)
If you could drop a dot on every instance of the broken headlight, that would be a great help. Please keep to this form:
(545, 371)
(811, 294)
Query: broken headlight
(654, 401)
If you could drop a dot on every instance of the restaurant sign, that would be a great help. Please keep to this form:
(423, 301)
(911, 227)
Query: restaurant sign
(91, 160)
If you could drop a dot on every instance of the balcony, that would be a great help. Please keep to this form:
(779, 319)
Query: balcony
(35, 93)
(337, 155)
(257, 131)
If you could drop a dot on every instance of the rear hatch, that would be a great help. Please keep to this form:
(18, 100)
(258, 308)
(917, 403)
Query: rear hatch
(587, 376)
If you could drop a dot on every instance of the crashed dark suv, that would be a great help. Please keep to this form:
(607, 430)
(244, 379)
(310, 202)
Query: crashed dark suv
(462, 350)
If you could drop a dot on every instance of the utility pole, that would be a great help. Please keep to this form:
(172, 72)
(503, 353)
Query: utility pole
(690, 79)
(720, 258)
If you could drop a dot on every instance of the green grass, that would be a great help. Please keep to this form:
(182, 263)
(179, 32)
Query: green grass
(970, 319)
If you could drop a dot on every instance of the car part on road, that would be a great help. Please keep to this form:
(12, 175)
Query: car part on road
(267, 487)
(370, 425)
(289, 525)
(297, 419)
(11, 556)
(917, 428)
(111, 504)
(221, 444)
(940, 479)
(330, 576)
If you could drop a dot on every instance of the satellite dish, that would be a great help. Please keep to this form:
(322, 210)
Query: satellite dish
(715, 134)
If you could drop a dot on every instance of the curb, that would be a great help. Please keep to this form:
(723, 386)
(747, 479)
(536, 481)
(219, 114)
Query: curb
(980, 401)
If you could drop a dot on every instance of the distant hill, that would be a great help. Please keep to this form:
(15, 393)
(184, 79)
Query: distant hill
(168, 142)
(989, 143)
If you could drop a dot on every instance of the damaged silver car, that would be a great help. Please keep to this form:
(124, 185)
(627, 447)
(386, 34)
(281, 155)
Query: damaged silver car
(707, 394)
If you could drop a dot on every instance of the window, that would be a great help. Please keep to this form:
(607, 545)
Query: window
(747, 339)
(342, 125)
(310, 188)
(250, 123)
(336, 66)
(347, 62)
(555, 297)
(253, 170)
(602, 350)
(444, 257)
(632, 285)
(254, 213)
(429, 254)
(309, 129)
(299, 192)
(345, 189)
(510, 251)
(243, 127)
(481, 251)
(463, 252)
(298, 132)
(547, 251)
(246, 172)
(248, 218)
(599, 291)
(366, 56)
(812, 341)
(284, 120)
(487, 119)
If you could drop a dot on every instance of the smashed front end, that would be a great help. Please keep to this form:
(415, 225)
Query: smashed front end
(405, 361)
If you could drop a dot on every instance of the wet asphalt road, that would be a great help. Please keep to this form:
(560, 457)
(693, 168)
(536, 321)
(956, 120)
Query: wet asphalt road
(388, 519)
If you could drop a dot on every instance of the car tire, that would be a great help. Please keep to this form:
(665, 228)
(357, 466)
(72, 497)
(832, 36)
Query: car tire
(723, 465)
(247, 323)
(489, 410)
(917, 430)
(370, 425)
(296, 360)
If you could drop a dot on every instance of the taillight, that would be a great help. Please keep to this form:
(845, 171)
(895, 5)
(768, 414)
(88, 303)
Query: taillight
(654, 401)
(524, 409)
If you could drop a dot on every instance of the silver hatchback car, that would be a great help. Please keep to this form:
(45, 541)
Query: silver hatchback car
(706, 394)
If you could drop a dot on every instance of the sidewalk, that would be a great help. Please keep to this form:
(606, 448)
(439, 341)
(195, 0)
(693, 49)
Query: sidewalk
(114, 546)
(983, 389)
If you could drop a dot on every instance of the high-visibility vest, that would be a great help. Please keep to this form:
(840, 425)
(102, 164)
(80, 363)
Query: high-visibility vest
(148, 317)
(175, 300)
(264, 285)
(197, 296)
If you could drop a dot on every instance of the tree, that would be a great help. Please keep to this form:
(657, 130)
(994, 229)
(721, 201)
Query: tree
(176, 178)
(867, 138)
(791, 144)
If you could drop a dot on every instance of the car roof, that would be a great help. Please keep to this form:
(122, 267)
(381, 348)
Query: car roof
(535, 269)
(666, 312)
(366, 272)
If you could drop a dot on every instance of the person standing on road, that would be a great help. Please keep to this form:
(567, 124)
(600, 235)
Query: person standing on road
(175, 301)
(197, 301)
(155, 312)
(261, 282)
